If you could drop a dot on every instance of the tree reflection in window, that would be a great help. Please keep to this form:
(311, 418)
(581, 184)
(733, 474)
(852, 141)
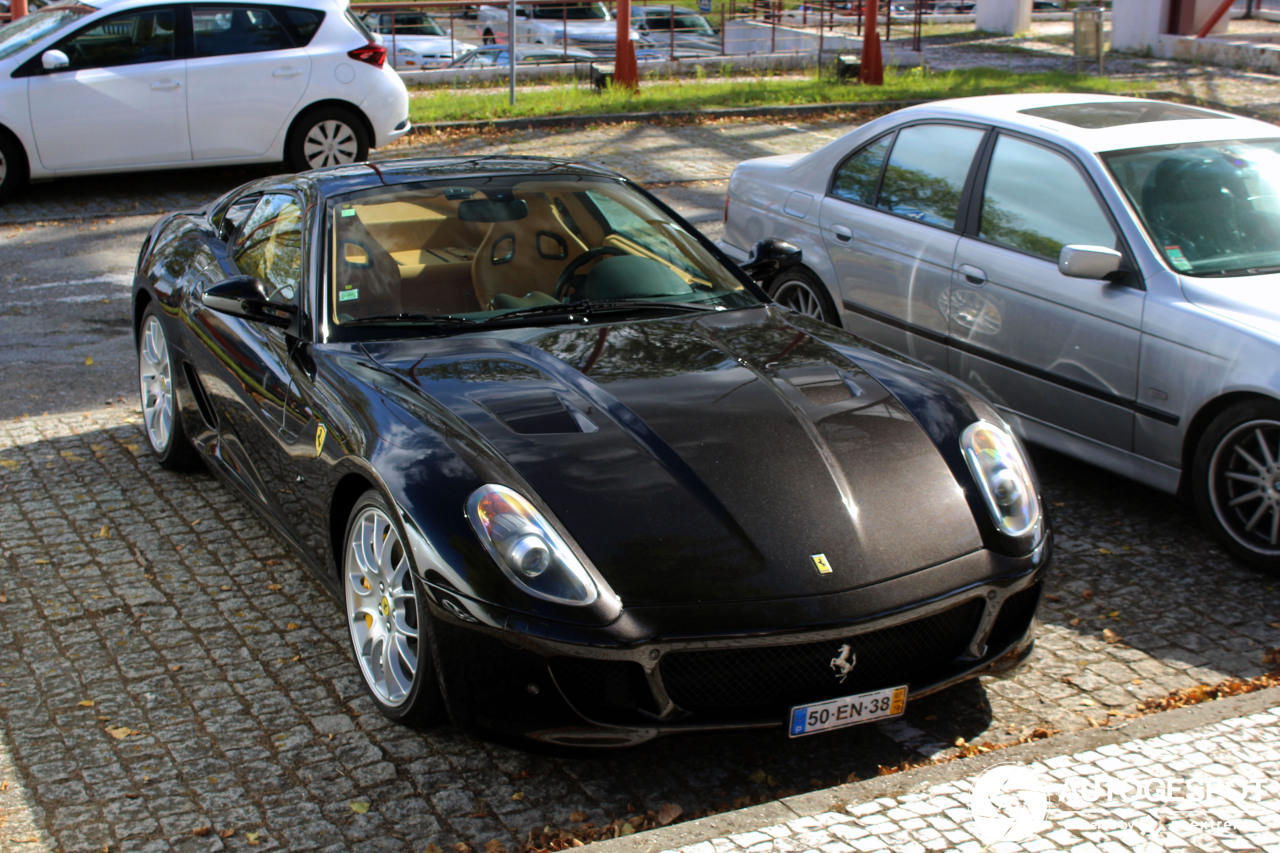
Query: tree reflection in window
(1035, 201)
(269, 246)
(927, 170)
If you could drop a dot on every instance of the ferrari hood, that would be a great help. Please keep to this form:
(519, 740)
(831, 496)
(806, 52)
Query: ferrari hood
(724, 457)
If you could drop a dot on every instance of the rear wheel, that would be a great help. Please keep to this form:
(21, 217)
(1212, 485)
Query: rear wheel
(1236, 481)
(387, 616)
(330, 136)
(158, 394)
(800, 291)
(13, 166)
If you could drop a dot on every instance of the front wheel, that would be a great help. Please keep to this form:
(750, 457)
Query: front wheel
(326, 137)
(158, 394)
(387, 616)
(1236, 481)
(799, 291)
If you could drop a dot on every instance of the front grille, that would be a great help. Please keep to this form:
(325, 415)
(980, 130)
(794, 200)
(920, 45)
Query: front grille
(766, 680)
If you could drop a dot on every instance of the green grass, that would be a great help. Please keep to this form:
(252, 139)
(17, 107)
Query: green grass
(576, 97)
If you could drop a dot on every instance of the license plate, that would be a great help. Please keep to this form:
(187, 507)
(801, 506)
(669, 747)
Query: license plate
(848, 711)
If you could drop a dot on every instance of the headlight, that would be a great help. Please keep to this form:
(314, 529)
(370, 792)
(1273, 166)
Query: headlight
(1003, 476)
(527, 548)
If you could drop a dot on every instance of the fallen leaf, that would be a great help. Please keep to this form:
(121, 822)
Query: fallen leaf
(175, 667)
(88, 361)
(757, 776)
(627, 829)
(292, 626)
(668, 813)
(1052, 598)
(121, 732)
(578, 817)
(226, 833)
(252, 838)
(86, 703)
(1104, 551)
(359, 807)
(1087, 594)
(518, 796)
(1109, 636)
(275, 586)
(1074, 622)
(202, 831)
(104, 532)
(1086, 701)
(494, 846)
(432, 848)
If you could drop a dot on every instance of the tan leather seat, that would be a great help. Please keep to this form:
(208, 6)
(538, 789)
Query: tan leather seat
(523, 256)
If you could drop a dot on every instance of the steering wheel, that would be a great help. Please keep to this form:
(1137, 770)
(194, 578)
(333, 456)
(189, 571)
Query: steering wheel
(566, 274)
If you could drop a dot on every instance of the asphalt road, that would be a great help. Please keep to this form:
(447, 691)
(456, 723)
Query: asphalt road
(169, 673)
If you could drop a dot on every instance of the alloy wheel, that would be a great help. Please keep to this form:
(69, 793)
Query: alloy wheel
(155, 378)
(382, 608)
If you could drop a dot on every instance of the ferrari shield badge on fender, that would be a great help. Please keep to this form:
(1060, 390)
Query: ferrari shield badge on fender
(320, 433)
(821, 564)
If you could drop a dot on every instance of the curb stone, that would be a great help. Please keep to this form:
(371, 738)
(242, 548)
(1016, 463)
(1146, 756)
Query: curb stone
(925, 776)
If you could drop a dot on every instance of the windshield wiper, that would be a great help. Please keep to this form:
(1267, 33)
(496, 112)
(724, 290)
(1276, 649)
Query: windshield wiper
(417, 319)
(586, 307)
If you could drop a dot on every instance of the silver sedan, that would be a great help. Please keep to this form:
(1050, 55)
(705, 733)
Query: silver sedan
(1106, 270)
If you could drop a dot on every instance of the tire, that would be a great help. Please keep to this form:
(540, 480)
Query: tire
(13, 166)
(329, 136)
(159, 398)
(801, 292)
(1236, 481)
(387, 616)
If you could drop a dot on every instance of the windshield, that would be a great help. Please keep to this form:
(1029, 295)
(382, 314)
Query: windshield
(572, 12)
(1212, 208)
(411, 25)
(27, 30)
(515, 249)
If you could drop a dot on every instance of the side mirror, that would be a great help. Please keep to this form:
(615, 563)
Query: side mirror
(245, 297)
(770, 257)
(53, 60)
(1089, 262)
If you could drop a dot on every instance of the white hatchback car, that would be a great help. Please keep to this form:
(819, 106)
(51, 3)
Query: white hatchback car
(114, 85)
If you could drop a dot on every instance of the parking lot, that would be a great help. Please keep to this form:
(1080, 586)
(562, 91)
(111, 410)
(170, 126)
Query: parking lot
(171, 678)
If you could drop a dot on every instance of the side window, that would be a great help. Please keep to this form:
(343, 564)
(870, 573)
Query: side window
(268, 246)
(1036, 201)
(226, 30)
(858, 177)
(127, 39)
(305, 22)
(926, 172)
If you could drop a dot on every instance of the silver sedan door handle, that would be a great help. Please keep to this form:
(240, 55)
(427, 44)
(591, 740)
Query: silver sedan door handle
(974, 275)
(165, 85)
(844, 235)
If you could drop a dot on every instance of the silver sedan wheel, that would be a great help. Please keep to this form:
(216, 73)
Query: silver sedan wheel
(1244, 486)
(797, 296)
(155, 379)
(382, 610)
(330, 143)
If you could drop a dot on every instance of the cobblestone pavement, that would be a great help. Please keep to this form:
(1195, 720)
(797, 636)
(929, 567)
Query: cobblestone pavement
(1207, 788)
(172, 679)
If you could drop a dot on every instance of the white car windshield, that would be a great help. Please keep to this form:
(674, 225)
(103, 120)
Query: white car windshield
(31, 28)
(1212, 208)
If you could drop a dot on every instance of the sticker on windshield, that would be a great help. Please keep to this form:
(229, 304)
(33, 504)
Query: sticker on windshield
(1176, 258)
(348, 295)
(348, 211)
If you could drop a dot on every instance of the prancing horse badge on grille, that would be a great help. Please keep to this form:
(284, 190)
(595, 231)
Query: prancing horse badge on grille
(844, 662)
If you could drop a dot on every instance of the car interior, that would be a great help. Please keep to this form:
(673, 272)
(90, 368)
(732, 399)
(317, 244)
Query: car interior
(461, 251)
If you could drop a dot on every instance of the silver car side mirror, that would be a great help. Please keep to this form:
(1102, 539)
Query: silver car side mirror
(52, 60)
(1089, 261)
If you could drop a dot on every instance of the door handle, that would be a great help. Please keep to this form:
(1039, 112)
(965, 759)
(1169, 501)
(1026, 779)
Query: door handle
(972, 274)
(844, 235)
(165, 85)
(286, 72)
